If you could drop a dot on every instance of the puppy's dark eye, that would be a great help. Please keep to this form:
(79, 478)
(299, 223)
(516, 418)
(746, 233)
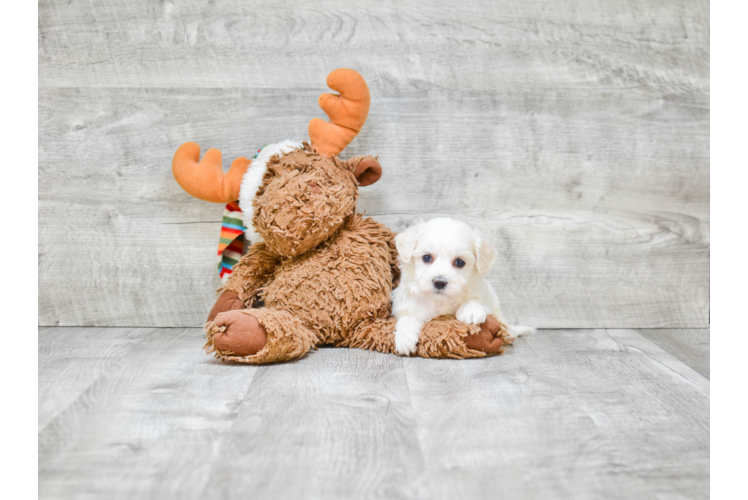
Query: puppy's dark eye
(427, 258)
(459, 263)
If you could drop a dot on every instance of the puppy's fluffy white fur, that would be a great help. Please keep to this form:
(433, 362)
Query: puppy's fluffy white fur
(443, 264)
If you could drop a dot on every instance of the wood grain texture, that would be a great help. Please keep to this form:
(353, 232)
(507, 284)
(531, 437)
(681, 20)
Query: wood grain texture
(336, 424)
(562, 414)
(482, 45)
(147, 428)
(70, 360)
(575, 134)
(507, 428)
(565, 414)
(715, 430)
(652, 406)
(691, 346)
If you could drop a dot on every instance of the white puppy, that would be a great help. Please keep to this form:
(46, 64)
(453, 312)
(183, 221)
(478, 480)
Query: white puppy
(443, 263)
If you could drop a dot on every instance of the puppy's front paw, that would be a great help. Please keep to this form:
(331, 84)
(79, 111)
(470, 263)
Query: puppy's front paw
(471, 312)
(407, 332)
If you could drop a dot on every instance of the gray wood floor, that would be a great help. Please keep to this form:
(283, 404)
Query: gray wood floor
(143, 413)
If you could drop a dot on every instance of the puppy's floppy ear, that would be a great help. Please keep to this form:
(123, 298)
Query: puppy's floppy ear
(406, 242)
(485, 254)
(366, 169)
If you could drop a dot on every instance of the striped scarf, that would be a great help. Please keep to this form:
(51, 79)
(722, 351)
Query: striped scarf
(232, 239)
(231, 242)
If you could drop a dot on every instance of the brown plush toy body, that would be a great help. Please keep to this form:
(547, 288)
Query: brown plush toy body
(318, 273)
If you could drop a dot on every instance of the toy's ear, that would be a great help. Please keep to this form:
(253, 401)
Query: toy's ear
(407, 241)
(366, 169)
(485, 254)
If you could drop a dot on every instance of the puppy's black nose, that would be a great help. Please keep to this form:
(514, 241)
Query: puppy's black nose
(440, 283)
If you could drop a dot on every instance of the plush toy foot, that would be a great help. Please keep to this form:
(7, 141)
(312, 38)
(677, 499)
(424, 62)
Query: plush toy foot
(240, 333)
(227, 301)
(490, 339)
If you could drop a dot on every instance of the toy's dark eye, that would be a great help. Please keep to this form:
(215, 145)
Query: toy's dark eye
(427, 258)
(459, 263)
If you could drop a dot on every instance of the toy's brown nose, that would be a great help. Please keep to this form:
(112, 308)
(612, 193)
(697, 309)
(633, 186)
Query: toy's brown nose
(440, 283)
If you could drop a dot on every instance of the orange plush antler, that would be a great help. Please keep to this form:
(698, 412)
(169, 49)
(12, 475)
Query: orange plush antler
(347, 112)
(205, 179)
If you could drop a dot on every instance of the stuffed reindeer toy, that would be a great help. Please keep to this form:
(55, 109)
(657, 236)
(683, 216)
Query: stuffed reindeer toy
(317, 272)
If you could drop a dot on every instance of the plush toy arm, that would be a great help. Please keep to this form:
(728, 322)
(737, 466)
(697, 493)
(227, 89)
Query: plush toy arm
(251, 273)
(227, 301)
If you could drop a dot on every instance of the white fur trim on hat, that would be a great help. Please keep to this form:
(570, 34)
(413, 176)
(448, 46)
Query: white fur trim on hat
(252, 181)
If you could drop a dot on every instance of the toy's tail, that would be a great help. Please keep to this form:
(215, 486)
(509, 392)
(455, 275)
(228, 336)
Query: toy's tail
(347, 112)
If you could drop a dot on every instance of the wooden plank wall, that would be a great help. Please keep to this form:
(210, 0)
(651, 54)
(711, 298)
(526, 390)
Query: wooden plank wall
(575, 133)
